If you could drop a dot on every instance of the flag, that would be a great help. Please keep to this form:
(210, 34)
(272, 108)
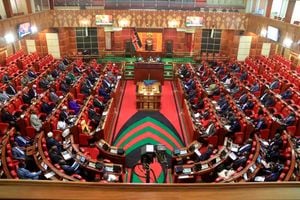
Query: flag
(135, 39)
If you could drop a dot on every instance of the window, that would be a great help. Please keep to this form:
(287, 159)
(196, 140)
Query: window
(296, 13)
(211, 41)
(86, 39)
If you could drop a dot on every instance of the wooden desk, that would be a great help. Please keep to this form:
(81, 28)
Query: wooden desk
(146, 70)
(148, 97)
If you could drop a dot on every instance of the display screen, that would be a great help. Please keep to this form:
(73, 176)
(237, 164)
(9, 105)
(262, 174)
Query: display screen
(23, 29)
(104, 20)
(273, 33)
(194, 21)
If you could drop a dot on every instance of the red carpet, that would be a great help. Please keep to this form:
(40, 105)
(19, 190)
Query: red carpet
(168, 107)
(128, 107)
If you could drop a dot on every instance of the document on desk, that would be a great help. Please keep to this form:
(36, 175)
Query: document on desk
(204, 166)
(114, 151)
(218, 159)
(66, 155)
(259, 179)
(182, 152)
(49, 174)
(104, 113)
(92, 164)
(109, 168)
(187, 170)
(232, 156)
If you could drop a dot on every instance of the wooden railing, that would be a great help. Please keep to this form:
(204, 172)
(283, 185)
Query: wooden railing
(17, 189)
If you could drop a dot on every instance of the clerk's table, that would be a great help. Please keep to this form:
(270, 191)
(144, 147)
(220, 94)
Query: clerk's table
(149, 70)
(148, 95)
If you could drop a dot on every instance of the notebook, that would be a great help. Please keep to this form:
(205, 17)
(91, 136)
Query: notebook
(109, 168)
(187, 170)
(204, 166)
(183, 152)
(259, 179)
(232, 156)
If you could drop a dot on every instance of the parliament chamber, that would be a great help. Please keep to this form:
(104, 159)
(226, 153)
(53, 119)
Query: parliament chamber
(164, 99)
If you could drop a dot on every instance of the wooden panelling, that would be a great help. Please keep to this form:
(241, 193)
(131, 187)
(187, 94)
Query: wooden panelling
(17, 189)
(256, 23)
(149, 19)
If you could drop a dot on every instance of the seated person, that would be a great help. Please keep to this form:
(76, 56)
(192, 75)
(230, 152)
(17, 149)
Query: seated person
(245, 149)
(64, 87)
(46, 107)
(85, 89)
(260, 124)
(32, 93)
(287, 94)
(26, 98)
(274, 85)
(235, 125)
(244, 76)
(53, 96)
(62, 66)
(35, 122)
(7, 117)
(31, 74)
(290, 119)
(255, 87)
(24, 80)
(243, 99)
(61, 124)
(248, 105)
(211, 129)
(104, 92)
(6, 78)
(24, 173)
(73, 105)
(44, 83)
(94, 116)
(10, 90)
(18, 152)
(55, 155)
(98, 103)
(21, 141)
(3, 96)
(55, 73)
(51, 141)
(70, 169)
(70, 78)
(206, 155)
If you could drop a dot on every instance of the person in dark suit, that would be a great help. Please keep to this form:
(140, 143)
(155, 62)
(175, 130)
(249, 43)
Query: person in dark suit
(62, 66)
(7, 117)
(53, 96)
(240, 161)
(64, 115)
(6, 78)
(44, 83)
(70, 169)
(85, 89)
(46, 107)
(64, 87)
(290, 119)
(243, 99)
(275, 84)
(31, 74)
(260, 124)
(24, 173)
(104, 93)
(246, 147)
(32, 93)
(244, 76)
(287, 94)
(248, 105)
(18, 152)
(255, 87)
(94, 117)
(55, 154)
(26, 98)
(55, 73)
(97, 103)
(51, 141)
(10, 90)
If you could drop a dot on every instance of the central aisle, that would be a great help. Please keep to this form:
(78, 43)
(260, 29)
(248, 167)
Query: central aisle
(135, 128)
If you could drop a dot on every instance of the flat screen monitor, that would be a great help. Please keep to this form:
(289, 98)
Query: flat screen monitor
(273, 33)
(23, 29)
(192, 21)
(104, 20)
